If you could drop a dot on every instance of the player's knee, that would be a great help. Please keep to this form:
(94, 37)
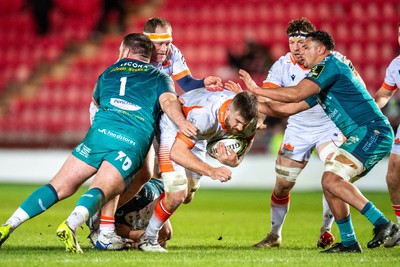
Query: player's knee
(193, 184)
(344, 165)
(146, 172)
(175, 181)
(288, 174)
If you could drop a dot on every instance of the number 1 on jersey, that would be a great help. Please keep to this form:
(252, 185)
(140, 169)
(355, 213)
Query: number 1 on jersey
(122, 86)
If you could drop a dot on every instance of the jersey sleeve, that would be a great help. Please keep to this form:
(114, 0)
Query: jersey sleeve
(166, 84)
(322, 76)
(275, 74)
(311, 101)
(179, 66)
(392, 77)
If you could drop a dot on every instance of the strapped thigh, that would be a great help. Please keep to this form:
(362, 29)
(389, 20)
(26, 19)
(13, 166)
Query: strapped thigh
(344, 164)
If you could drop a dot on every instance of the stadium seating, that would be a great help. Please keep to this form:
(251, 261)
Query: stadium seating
(56, 111)
(355, 27)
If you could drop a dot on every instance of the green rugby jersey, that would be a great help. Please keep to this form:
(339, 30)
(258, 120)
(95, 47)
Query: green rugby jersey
(128, 95)
(342, 96)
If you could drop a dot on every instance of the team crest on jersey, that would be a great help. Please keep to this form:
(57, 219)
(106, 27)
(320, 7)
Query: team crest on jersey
(352, 140)
(397, 141)
(316, 71)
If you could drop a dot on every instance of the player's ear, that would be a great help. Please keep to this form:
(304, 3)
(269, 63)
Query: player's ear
(322, 50)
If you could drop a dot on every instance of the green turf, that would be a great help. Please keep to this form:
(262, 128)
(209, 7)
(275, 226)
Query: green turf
(217, 229)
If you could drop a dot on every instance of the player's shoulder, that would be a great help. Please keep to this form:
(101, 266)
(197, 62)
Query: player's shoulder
(343, 59)
(174, 51)
(284, 60)
(331, 61)
(174, 48)
(395, 63)
(162, 75)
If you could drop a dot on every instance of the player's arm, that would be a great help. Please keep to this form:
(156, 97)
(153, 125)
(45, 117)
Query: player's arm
(291, 94)
(184, 78)
(181, 154)
(281, 110)
(173, 108)
(188, 83)
(383, 96)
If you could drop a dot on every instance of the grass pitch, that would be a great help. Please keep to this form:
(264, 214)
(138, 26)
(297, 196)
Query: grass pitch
(217, 229)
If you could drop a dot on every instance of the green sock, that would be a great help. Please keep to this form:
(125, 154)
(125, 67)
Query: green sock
(92, 200)
(40, 200)
(374, 215)
(346, 230)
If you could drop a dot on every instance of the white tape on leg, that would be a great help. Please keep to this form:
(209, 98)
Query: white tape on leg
(175, 181)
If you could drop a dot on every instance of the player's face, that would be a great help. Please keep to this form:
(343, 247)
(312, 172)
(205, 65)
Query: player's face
(234, 122)
(161, 49)
(295, 46)
(310, 53)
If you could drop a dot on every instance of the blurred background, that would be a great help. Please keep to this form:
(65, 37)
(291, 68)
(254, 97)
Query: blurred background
(52, 51)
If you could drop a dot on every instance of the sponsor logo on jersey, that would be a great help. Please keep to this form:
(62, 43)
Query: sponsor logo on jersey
(117, 136)
(134, 65)
(83, 150)
(126, 161)
(316, 71)
(372, 140)
(123, 104)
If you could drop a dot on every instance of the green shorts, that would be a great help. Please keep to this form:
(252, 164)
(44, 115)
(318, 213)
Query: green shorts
(125, 152)
(370, 143)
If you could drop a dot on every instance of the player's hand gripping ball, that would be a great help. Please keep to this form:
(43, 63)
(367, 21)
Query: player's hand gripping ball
(237, 143)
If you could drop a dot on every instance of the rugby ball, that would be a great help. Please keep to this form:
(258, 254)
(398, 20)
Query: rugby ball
(237, 143)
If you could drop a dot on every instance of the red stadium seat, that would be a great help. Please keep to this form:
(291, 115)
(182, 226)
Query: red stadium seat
(204, 30)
